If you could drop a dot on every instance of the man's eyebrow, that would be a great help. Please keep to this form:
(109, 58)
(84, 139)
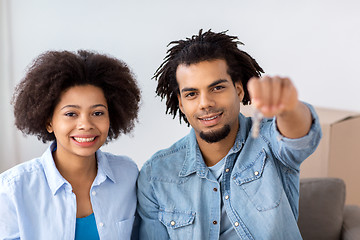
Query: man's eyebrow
(211, 85)
(188, 89)
(78, 107)
(218, 82)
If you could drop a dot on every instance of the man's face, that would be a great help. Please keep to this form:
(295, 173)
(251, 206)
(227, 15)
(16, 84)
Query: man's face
(209, 99)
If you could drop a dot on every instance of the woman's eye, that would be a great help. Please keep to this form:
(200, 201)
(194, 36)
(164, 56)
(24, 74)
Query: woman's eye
(70, 114)
(98, 113)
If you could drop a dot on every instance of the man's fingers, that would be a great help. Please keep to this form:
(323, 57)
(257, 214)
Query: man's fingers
(254, 89)
(266, 91)
(276, 93)
(272, 95)
(289, 95)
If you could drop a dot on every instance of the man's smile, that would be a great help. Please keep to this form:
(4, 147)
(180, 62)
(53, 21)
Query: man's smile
(210, 120)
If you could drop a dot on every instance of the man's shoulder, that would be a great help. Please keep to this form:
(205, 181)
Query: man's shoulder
(170, 158)
(175, 148)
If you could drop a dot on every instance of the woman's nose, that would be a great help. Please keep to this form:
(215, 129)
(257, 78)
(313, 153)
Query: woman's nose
(85, 123)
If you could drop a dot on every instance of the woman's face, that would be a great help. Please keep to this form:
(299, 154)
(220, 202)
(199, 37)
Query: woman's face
(80, 122)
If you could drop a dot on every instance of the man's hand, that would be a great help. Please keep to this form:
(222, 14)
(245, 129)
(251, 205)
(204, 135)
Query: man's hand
(272, 95)
(277, 96)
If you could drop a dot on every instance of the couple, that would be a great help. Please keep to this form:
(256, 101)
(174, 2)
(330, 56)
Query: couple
(218, 182)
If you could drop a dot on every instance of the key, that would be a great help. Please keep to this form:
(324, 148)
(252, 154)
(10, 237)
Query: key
(256, 119)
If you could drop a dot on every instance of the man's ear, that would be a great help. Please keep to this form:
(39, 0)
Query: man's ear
(180, 103)
(240, 90)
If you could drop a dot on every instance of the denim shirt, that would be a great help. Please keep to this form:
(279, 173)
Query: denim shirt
(179, 198)
(36, 202)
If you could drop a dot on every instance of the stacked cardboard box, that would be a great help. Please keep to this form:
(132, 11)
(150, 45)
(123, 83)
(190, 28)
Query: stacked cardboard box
(338, 154)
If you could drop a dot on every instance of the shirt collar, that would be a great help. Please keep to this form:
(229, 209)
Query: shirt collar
(53, 176)
(194, 161)
(104, 170)
(56, 180)
(193, 158)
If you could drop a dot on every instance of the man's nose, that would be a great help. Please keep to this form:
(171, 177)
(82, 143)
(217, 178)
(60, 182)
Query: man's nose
(206, 101)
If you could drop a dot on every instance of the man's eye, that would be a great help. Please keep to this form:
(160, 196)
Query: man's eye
(218, 88)
(192, 94)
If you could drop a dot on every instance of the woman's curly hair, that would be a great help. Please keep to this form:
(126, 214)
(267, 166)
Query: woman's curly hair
(53, 72)
(203, 47)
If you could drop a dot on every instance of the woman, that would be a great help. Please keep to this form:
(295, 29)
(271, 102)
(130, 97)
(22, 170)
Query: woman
(79, 101)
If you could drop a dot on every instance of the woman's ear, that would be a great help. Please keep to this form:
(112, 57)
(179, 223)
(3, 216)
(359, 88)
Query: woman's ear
(49, 127)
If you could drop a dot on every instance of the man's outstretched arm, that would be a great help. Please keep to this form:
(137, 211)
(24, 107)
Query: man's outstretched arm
(277, 96)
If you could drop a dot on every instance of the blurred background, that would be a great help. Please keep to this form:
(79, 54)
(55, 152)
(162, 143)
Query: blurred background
(315, 43)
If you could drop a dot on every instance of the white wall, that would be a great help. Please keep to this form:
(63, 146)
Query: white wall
(316, 43)
(8, 155)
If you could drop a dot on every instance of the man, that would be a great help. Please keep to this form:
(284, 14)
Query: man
(219, 182)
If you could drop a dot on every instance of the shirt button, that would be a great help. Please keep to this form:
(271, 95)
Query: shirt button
(215, 189)
(172, 223)
(101, 224)
(236, 224)
(214, 222)
(93, 193)
(227, 197)
(227, 170)
(256, 173)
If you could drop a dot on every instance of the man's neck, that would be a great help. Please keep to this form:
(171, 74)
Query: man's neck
(213, 152)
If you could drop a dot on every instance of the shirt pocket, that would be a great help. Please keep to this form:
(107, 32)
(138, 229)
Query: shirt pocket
(261, 183)
(179, 224)
(125, 228)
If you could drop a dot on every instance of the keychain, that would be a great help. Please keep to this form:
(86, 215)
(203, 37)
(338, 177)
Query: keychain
(256, 119)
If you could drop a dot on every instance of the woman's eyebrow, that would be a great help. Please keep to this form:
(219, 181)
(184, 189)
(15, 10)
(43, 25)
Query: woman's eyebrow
(78, 107)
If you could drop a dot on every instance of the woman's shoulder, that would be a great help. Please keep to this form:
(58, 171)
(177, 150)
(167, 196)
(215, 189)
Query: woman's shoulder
(119, 160)
(23, 172)
(118, 165)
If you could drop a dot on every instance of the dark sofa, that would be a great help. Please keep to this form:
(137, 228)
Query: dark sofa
(323, 213)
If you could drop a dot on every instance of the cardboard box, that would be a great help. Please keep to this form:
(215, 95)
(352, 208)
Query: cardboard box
(338, 154)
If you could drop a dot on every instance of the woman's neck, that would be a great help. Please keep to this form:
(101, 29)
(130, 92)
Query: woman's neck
(76, 169)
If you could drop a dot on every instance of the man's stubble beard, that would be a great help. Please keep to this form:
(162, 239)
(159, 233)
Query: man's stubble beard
(215, 136)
